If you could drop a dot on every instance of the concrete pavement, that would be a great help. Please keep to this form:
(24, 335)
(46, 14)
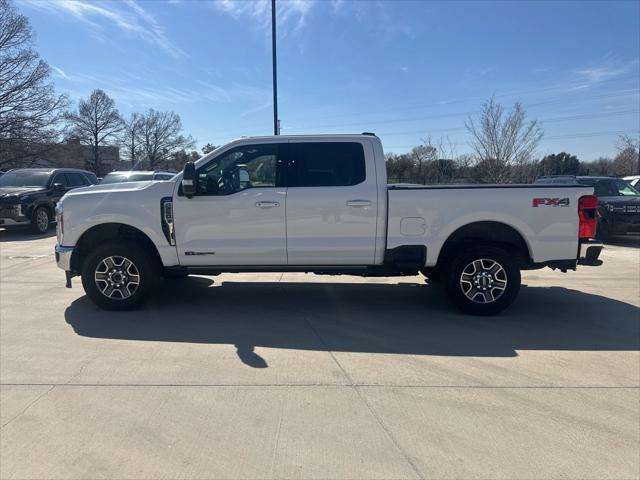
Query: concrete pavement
(303, 376)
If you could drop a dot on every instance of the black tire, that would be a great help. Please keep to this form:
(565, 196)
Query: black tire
(603, 231)
(493, 283)
(40, 220)
(175, 275)
(433, 274)
(125, 295)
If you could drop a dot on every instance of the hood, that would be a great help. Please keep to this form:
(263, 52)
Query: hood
(119, 190)
(113, 187)
(10, 191)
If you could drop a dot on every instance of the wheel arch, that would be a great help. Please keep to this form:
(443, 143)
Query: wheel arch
(42, 203)
(487, 232)
(110, 231)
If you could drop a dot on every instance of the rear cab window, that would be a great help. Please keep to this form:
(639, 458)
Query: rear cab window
(326, 164)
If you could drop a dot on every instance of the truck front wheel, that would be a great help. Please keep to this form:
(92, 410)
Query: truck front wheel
(119, 275)
(483, 280)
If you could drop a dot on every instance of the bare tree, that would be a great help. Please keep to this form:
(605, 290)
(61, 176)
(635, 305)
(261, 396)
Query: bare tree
(501, 140)
(29, 108)
(627, 161)
(131, 139)
(97, 123)
(161, 136)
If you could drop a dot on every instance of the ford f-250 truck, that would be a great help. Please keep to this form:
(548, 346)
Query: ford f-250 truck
(319, 204)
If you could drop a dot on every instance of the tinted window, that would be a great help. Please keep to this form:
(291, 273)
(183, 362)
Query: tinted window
(76, 180)
(249, 166)
(163, 176)
(60, 178)
(325, 164)
(91, 178)
(24, 178)
(625, 188)
(605, 188)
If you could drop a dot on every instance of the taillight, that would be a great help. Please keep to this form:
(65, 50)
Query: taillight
(587, 208)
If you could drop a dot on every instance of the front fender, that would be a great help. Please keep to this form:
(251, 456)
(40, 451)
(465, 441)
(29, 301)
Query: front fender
(135, 207)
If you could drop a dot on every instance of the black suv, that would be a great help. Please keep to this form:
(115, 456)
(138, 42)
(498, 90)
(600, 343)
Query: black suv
(619, 202)
(28, 196)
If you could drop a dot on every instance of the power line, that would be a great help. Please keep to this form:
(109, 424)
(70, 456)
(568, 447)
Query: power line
(555, 137)
(549, 120)
(556, 101)
(558, 87)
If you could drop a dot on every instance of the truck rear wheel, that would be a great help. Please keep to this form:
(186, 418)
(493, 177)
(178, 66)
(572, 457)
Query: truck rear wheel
(119, 275)
(483, 280)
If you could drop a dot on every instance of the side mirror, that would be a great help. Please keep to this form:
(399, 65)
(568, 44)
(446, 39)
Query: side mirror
(58, 187)
(189, 180)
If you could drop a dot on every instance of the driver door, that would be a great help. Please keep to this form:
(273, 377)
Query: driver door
(237, 216)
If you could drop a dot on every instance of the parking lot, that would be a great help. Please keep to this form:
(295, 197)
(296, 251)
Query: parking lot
(304, 376)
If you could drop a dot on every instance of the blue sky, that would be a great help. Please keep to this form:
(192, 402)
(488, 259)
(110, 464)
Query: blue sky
(405, 70)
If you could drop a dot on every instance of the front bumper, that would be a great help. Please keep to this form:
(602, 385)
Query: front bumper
(13, 214)
(589, 252)
(63, 257)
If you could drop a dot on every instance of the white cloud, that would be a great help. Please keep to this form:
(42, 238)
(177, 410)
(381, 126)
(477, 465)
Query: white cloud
(610, 70)
(132, 19)
(291, 14)
(597, 75)
(58, 72)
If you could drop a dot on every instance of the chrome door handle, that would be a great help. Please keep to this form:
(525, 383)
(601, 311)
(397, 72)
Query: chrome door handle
(267, 204)
(358, 203)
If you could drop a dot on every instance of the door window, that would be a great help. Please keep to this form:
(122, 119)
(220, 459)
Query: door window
(248, 166)
(326, 164)
(76, 180)
(60, 178)
(605, 188)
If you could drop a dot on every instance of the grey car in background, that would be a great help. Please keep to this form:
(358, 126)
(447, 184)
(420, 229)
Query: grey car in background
(136, 176)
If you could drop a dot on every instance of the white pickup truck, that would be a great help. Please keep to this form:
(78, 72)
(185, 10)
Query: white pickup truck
(319, 204)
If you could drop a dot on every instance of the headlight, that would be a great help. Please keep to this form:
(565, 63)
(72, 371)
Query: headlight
(59, 223)
(17, 210)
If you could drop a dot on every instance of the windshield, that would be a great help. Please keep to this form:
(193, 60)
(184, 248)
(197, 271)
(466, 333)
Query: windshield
(625, 188)
(126, 177)
(610, 188)
(24, 178)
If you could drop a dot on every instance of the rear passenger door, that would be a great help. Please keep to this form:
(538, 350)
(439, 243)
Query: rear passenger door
(331, 203)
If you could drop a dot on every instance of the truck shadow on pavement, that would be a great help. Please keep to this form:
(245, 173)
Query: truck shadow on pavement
(378, 318)
(23, 234)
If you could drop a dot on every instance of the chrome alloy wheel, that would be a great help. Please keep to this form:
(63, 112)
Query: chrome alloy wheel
(117, 277)
(42, 220)
(483, 281)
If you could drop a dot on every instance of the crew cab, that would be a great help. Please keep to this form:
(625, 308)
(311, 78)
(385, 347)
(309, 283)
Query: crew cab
(28, 196)
(319, 204)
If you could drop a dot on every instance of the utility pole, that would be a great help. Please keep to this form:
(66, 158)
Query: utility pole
(276, 122)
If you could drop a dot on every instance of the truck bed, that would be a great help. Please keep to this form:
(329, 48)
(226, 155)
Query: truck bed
(428, 214)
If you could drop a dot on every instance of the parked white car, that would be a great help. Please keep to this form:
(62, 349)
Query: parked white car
(319, 204)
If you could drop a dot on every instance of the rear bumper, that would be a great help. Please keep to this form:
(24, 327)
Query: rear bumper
(589, 253)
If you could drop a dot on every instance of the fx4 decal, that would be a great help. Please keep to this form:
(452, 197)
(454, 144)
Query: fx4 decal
(551, 202)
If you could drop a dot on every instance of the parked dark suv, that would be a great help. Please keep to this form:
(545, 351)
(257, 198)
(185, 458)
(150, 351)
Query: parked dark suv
(28, 196)
(619, 202)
